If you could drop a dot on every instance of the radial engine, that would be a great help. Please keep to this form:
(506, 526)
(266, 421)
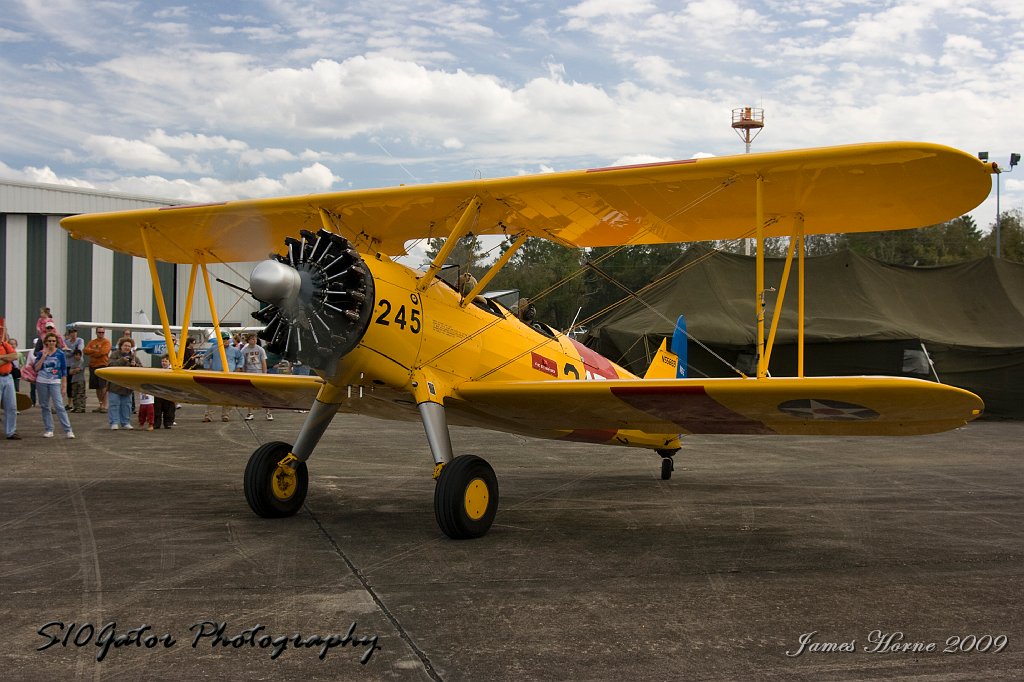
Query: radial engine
(316, 299)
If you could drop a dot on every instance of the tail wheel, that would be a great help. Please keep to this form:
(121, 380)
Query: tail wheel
(466, 497)
(274, 491)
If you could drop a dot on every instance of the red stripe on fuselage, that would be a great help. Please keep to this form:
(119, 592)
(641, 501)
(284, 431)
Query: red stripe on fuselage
(595, 363)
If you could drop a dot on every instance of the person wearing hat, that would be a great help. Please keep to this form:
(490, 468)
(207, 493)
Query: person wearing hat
(212, 361)
(72, 342)
(98, 352)
(76, 379)
(49, 327)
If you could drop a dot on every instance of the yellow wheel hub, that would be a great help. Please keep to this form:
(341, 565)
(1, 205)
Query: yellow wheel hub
(283, 483)
(476, 499)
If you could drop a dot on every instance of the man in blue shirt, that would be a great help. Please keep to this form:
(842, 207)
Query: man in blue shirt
(212, 361)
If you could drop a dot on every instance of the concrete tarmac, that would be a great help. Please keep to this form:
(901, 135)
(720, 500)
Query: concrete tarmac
(759, 548)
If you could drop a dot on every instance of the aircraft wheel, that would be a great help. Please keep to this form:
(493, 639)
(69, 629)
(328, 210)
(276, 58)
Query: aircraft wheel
(466, 497)
(667, 466)
(272, 491)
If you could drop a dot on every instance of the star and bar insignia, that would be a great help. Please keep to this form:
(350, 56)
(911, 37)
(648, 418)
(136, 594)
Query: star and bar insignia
(833, 410)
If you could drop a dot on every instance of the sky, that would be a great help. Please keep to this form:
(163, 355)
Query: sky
(211, 101)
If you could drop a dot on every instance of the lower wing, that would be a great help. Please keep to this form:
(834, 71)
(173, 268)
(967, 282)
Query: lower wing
(282, 391)
(838, 406)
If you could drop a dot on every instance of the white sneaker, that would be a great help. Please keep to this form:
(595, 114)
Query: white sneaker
(127, 427)
(114, 427)
(71, 434)
(47, 434)
(270, 417)
(248, 417)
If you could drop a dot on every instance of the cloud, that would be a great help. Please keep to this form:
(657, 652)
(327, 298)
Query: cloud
(592, 9)
(195, 142)
(315, 178)
(311, 179)
(257, 157)
(130, 154)
(44, 175)
(175, 97)
(9, 36)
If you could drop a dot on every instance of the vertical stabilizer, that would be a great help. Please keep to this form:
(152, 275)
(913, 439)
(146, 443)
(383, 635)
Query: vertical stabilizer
(664, 364)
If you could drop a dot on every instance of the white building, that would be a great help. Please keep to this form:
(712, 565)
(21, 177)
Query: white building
(43, 266)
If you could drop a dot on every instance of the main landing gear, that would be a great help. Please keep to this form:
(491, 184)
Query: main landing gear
(276, 479)
(466, 495)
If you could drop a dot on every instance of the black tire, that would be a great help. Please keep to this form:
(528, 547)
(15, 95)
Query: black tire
(666, 468)
(466, 497)
(260, 492)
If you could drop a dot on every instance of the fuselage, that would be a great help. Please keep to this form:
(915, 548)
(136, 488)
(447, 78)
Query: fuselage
(433, 333)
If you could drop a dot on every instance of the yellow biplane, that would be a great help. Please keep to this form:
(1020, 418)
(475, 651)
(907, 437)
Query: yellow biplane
(392, 342)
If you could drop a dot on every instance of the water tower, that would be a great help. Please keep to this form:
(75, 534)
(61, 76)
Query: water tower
(747, 122)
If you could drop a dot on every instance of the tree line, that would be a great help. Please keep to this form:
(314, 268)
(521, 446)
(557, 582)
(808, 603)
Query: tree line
(570, 285)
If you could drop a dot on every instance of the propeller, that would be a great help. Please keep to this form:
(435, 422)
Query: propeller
(316, 299)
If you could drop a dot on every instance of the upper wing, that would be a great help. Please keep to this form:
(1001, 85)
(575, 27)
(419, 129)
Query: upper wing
(282, 391)
(883, 186)
(860, 406)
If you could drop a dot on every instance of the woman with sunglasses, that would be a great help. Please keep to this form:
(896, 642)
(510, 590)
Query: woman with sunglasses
(51, 379)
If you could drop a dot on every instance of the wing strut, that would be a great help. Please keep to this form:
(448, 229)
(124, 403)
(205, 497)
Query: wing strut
(800, 299)
(179, 360)
(494, 269)
(161, 308)
(779, 300)
(216, 318)
(796, 245)
(762, 364)
(460, 230)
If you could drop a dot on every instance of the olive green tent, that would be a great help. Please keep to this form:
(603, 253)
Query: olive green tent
(960, 324)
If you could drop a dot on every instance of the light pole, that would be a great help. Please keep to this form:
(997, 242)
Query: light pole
(1014, 160)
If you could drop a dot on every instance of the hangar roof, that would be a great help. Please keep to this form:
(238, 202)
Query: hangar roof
(36, 197)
